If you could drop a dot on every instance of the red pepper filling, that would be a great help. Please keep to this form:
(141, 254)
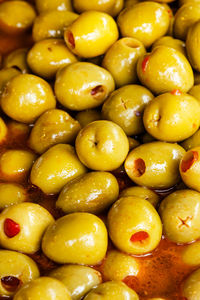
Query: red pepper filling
(11, 228)
(10, 283)
(139, 236)
(97, 90)
(187, 163)
(145, 64)
(176, 92)
(70, 39)
(139, 167)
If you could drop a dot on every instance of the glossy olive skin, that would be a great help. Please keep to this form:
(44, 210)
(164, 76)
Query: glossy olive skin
(142, 192)
(53, 127)
(16, 16)
(99, 25)
(51, 24)
(17, 58)
(172, 117)
(191, 286)
(179, 214)
(78, 279)
(112, 290)
(121, 60)
(192, 142)
(28, 237)
(83, 85)
(186, 16)
(3, 130)
(55, 167)
(87, 116)
(79, 238)
(7, 74)
(131, 220)
(26, 97)
(48, 5)
(43, 288)
(192, 45)
(117, 266)
(14, 164)
(16, 265)
(11, 193)
(189, 168)
(154, 15)
(92, 192)
(125, 107)
(170, 42)
(155, 165)
(111, 7)
(102, 145)
(195, 91)
(191, 254)
(47, 56)
(154, 68)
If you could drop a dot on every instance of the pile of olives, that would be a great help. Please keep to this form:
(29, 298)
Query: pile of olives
(99, 147)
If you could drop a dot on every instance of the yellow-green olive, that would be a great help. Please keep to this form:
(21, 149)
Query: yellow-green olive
(195, 91)
(191, 254)
(133, 143)
(192, 44)
(51, 24)
(145, 21)
(172, 117)
(49, 5)
(7, 74)
(91, 34)
(155, 165)
(192, 142)
(22, 226)
(15, 269)
(117, 266)
(121, 60)
(53, 127)
(76, 238)
(141, 192)
(87, 116)
(102, 145)
(125, 107)
(54, 168)
(180, 216)
(47, 56)
(11, 193)
(25, 97)
(43, 288)
(134, 225)
(17, 59)
(112, 290)
(83, 85)
(165, 69)
(170, 42)
(92, 192)
(78, 279)
(191, 286)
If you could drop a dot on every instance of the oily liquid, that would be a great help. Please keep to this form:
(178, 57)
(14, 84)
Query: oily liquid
(161, 272)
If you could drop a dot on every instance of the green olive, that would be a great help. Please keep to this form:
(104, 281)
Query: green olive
(47, 56)
(180, 216)
(87, 116)
(121, 60)
(142, 192)
(192, 142)
(25, 97)
(53, 127)
(125, 107)
(170, 42)
(155, 17)
(11, 193)
(51, 24)
(7, 74)
(172, 117)
(102, 145)
(83, 85)
(43, 288)
(117, 266)
(133, 143)
(155, 165)
(20, 229)
(15, 269)
(92, 192)
(134, 225)
(78, 279)
(195, 91)
(79, 238)
(153, 70)
(54, 168)
(49, 5)
(17, 59)
(192, 45)
(112, 290)
(191, 254)
(191, 286)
